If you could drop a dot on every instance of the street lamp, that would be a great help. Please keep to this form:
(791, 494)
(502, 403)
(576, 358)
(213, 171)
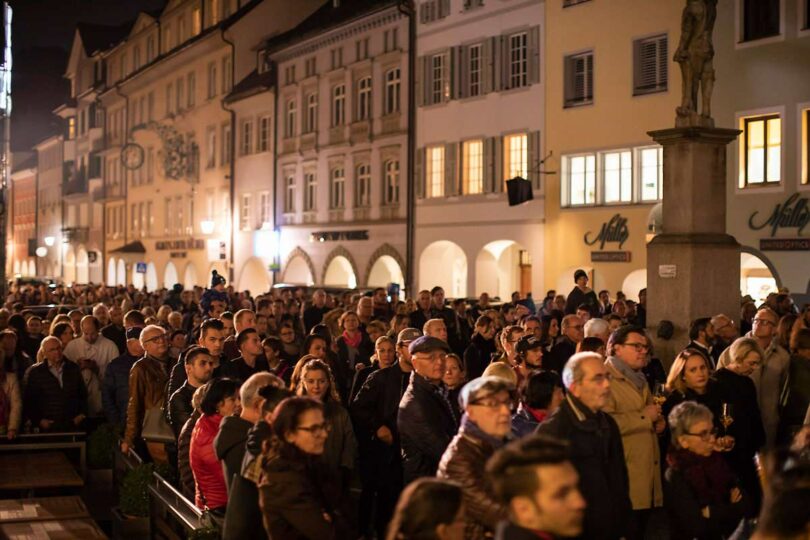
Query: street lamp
(207, 226)
(41, 252)
(49, 240)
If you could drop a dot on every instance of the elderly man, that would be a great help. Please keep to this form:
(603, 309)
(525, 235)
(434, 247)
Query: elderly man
(725, 332)
(595, 444)
(92, 352)
(770, 377)
(115, 330)
(426, 421)
(571, 333)
(436, 328)
(485, 427)
(101, 313)
(598, 328)
(55, 398)
(147, 389)
(314, 314)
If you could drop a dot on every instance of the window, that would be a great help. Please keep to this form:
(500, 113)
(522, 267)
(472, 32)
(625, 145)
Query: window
(291, 113)
(579, 79)
(474, 55)
(196, 21)
(211, 148)
(169, 99)
(650, 65)
(471, 4)
(289, 74)
(433, 10)
(265, 209)
(311, 123)
(518, 60)
(226, 145)
(150, 164)
(71, 130)
(181, 221)
(364, 98)
(244, 213)
(760, 19)
(136, 58)
(123, 66)
(361, 49)
(337, 57)
(264, 134)
(191, 83)
(338, 105)
(167, 39)
(435, 171)
(438, 78)
(180, 97)
(363, 186)
(181, 29)
(617, 171)
(289, 194)
(167, 215)
(247, 138)
(392, 182)
(392, 91)
(310, 191)
(652, 173)
(150, 49)
(150, 100)
(227, 74)
(309, 67)
(149, 218)
(337, 183)
(390, 40)
(212, 80)
(473, 166)
(582, 180)
(763, 150)
(516, 156)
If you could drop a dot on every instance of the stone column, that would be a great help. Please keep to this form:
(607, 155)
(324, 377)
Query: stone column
(693, 267)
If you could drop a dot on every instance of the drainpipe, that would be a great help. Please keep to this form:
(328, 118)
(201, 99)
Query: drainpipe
(232, 165)
(407, 8)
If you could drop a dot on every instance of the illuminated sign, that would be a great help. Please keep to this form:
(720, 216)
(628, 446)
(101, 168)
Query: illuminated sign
(614, 230)
(793, 213)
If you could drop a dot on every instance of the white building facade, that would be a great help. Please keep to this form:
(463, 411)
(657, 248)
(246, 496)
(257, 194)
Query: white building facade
(49, 204)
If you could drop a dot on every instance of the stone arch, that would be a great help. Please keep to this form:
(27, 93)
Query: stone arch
(758, 275)
(111, 267)
(340, 251)
(298, 252)
(384, 250)
(444, 263)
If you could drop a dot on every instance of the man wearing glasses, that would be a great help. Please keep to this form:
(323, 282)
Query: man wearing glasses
(595, 446)
(147, 388)
(725, 332)
(572, 331)
(631, 405)
(426, 421)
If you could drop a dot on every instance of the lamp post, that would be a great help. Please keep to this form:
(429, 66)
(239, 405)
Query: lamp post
(207, 226)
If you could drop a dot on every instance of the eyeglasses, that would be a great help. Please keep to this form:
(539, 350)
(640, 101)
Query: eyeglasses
(436, 357)
(314, 429)
(765, 322)
(705, 436)
(599, 379)
(493, 404)
(156, 339)
(639, 347)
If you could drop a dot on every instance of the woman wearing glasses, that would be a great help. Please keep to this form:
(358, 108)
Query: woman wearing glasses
(737, 391)
(297, 492)
(703, 498)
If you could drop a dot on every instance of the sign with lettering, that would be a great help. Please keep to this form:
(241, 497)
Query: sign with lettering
(784, 244)
(614, 230)
(337, 236)
(178, 245)
(140, 268)
(793, 213)
(610, 256)
(667, 271)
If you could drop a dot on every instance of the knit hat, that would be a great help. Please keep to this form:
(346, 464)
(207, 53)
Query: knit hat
(216, 279)
(579, 274)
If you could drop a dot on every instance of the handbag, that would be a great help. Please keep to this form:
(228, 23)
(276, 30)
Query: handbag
(155, 427)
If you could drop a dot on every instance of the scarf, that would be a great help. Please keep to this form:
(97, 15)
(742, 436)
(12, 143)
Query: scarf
(710, 477)
(635, 377)
(471, 428)
(4, 401)
(352, 342)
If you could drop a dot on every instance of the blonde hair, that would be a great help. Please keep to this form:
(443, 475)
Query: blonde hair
(741, 348)
(502, 370)
(318, 365)
(675, 380)
(295, 378)
(56, 320)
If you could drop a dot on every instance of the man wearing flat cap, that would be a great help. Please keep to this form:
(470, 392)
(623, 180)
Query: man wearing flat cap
(581, 294)
(426, 421)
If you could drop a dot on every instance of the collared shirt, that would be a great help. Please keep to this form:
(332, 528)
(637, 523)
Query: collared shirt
(102, 352)
(57, 371)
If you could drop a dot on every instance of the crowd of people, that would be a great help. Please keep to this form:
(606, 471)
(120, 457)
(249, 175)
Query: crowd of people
(363, 415)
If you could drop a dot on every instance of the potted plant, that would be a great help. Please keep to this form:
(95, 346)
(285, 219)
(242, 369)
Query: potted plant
(131, 517)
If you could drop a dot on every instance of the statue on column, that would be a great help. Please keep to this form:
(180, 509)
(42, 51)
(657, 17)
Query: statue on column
(695, 53)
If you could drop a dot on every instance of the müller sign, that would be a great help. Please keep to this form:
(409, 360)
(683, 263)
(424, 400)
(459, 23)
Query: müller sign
(614, 230)
(793, 213)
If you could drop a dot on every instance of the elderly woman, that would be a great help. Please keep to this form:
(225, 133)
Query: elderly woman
(702, 497)
(739, 397)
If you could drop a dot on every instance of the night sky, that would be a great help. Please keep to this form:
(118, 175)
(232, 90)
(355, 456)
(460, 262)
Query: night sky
(42, 32)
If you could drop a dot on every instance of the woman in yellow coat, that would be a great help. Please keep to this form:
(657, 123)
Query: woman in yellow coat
(639, 419)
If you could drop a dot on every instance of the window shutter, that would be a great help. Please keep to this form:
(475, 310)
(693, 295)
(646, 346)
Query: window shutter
(534, 55)
(423, 13)
(579, 78)
(663, 62)
(461, 68)
(489, 164)
(450, 169)
(427, 84)
(444, 8)
(420, 82)
(449, 75)
(487, 65)
(533, 159)
(497, 185)
(589, 72)
(419, 173)
(503, 63)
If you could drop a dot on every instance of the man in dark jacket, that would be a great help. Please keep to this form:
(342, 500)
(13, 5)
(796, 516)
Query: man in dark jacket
(55, 398)
(572, 331)
(212, 337)
(251, 357)
(115, 331)
(314, 314)
(426, 421)
(115, 387)
(701, 335)
(595, 446)
(374, 413)
(581, 294)
(199, 368)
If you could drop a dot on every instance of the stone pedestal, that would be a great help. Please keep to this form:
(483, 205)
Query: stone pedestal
(693, 267)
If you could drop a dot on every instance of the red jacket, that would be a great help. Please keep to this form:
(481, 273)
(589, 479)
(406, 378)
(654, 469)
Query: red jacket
(209, 479)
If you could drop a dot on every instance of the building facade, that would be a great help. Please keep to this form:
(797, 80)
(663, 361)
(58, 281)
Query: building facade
(480, 122)
(23, 216)
(341, 168)
(49, 204)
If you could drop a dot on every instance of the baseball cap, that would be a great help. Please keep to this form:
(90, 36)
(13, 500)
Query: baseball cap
(527, 343)
(407, 335)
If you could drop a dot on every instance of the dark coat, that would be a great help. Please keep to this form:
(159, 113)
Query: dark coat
(795, 398)
(44, 398)
(239, 370)
(509, 531)
(229, 445)
(377, 402)
(180, 407)
(576, 297)
(363, 356)
(360, 378)
(559, 354)
(117, 335)
(183, 456)
(115, 388)
(243, 517)
(478, 355)
(426, 425)
(598, 455)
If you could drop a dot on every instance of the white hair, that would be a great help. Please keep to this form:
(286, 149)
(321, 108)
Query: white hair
(596, 328)
(573, 368)
(249, 390)
(147, 330)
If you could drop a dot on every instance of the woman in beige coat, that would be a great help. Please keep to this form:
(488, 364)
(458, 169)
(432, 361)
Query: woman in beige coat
(10, 402)
(639, 419)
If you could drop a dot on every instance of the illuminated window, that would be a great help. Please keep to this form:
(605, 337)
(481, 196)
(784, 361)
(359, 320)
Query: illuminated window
(652, 173)
(762, 158)
(363, 186)
(617, 172)
(71, 128)
(473, 166)
(435, 171)
(581, 175)
(392, 182)
(244, 213)
(516, 156)
(247, 138)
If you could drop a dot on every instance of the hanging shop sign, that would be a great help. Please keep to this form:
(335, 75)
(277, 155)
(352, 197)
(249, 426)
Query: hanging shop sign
(610, 256)
(784, 244)
(613, 231)
(337, 236)
(178, 245)
(794, 213)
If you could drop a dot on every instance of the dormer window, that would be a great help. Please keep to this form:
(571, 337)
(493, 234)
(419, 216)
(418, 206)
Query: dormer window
(265, 63)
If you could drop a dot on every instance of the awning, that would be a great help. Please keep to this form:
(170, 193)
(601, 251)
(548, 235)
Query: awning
(133, 247)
